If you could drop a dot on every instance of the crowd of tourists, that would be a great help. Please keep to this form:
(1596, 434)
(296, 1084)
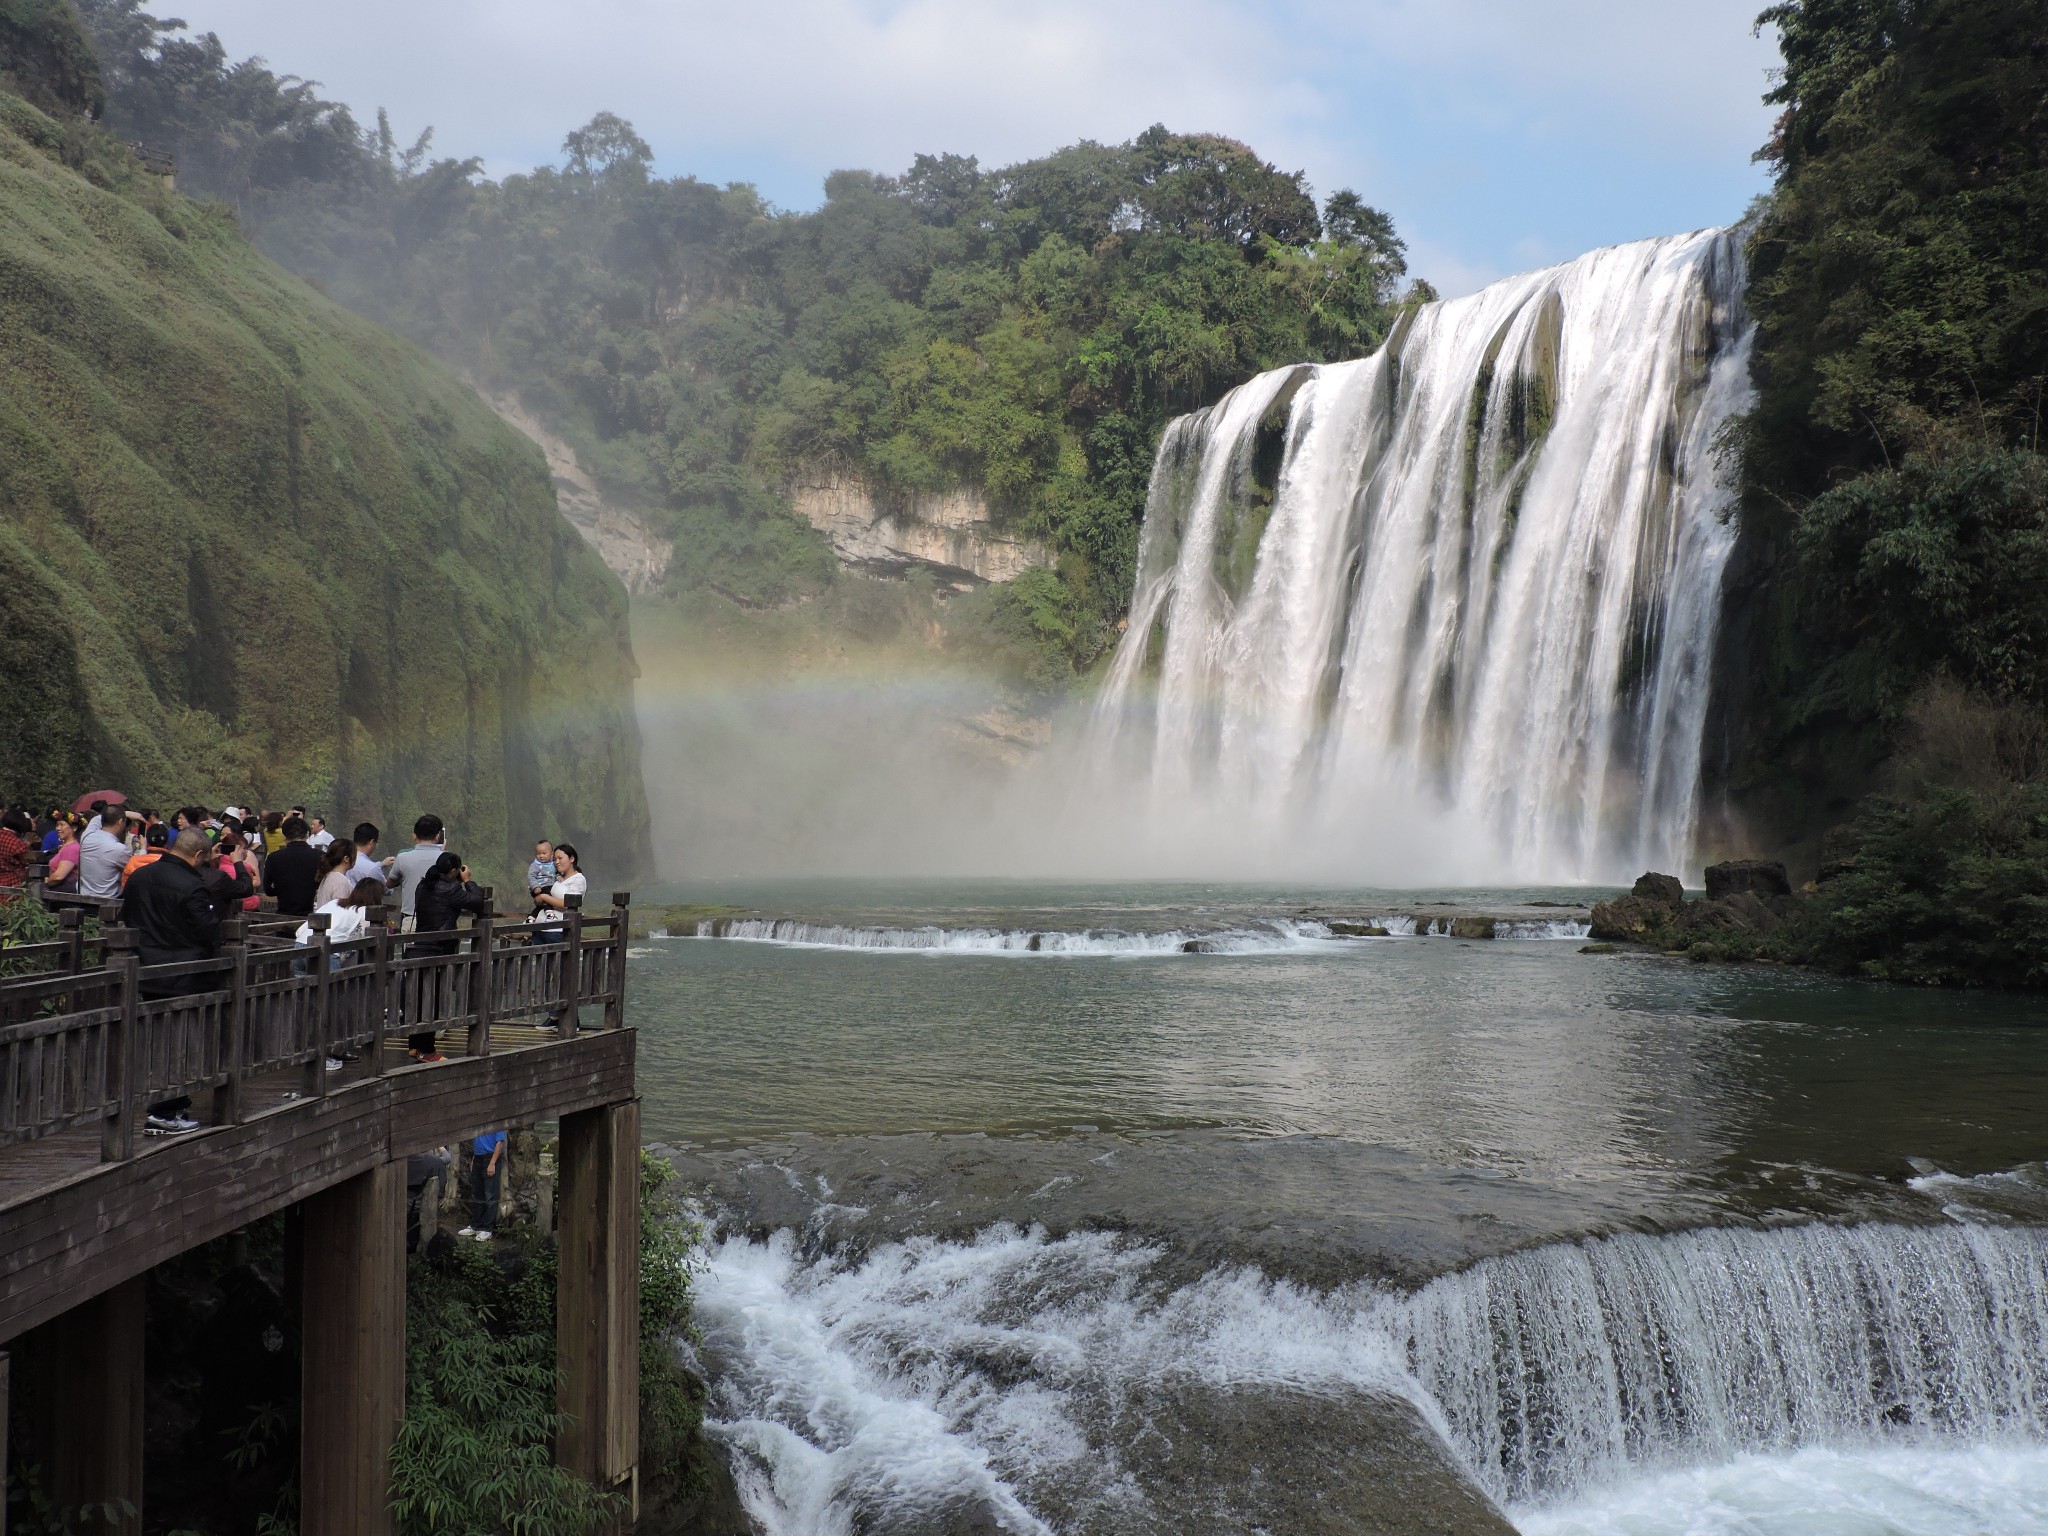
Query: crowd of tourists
(177, 881)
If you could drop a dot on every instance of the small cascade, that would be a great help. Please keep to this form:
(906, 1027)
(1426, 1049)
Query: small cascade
(1564, 1368)
(1268, 936)
(1478, 571)
(1012, 1370)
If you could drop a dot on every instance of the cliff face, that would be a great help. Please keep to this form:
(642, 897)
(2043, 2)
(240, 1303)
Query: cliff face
(951, 533)
(622, 536)
(255, 546)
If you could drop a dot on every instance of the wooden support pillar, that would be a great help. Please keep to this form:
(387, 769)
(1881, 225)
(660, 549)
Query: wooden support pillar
(96, 1406)
(597, 1298)
(352, 1327)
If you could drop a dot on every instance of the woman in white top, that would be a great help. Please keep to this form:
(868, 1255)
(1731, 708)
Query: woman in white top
(335, 881)
(569, 881)
(348, 918)
(552, 903)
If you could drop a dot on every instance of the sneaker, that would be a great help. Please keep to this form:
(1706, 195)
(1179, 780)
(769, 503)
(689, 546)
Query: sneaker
(466, 1232)
(482, 1237)
(334, 1063)
(433, 1056)
(171, 1125)
(549, 1027)
(351, 1055)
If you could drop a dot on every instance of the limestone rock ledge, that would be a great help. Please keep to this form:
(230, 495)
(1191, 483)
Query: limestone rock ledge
(950, 532)
(621, 536)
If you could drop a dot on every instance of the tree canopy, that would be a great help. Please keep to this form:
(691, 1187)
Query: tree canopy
(1025, 330)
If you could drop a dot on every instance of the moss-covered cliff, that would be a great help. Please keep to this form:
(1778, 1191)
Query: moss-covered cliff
(253, 546)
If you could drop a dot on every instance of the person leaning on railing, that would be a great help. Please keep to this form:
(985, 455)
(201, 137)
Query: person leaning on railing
(440, 898)
(176, 907)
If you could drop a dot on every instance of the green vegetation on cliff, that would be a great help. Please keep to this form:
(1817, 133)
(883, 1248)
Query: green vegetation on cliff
(259, 547)
(1890, 600)
(1024, 331)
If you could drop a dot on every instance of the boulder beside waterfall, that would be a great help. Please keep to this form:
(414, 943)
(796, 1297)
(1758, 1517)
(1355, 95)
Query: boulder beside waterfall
(1746, 899)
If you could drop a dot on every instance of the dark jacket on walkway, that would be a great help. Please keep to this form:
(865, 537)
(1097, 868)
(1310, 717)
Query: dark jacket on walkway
(292, 875)
(441, 900)
(176, 910)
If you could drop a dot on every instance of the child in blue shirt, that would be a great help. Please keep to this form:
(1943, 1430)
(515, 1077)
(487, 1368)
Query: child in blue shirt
(540, 874)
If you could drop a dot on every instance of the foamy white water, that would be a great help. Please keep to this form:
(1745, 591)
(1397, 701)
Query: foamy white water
(1985, 1490)
(1473, 579)
(1276, 936)
(1699, 1379)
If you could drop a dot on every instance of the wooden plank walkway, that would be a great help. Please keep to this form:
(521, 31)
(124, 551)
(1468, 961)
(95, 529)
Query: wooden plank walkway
(77, 1226)
(31, 1167)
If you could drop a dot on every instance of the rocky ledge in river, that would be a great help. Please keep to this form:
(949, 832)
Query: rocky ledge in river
(1447, 919)
(1746, 899)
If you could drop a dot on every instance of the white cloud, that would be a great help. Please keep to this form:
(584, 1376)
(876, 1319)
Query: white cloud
(1489, 128)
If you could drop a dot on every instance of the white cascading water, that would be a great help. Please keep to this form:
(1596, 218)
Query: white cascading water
(1566, 1367)
(1273, 935)
(1478, 571)
(1561, 1377)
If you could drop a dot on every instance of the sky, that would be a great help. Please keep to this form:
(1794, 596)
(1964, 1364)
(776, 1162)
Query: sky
(1500, 134)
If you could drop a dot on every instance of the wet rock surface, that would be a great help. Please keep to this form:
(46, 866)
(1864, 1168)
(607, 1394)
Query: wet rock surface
(1746, 899)
(1320, 1211)
(1761, 877)
(1259, 1458)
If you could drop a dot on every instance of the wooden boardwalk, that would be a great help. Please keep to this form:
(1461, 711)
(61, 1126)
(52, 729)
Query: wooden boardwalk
(89, 1202)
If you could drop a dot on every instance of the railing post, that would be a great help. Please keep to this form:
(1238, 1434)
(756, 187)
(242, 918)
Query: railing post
(572, 964)
(109, 915)
(71, 934)
(380, 988)
(234, 1030)
(117, 1131)
(615, 1005)
(314, 1078)
(33, 874)
(484, 984)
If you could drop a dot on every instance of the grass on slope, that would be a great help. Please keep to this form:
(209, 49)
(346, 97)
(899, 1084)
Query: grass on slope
(260, 548)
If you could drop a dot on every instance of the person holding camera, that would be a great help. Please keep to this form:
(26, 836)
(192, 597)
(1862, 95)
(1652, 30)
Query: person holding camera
(444, 894)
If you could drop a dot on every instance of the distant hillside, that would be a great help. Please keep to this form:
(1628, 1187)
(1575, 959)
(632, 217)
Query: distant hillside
(959, 370)
(255, 546)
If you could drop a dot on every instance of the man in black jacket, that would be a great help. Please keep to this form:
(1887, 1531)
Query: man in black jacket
(176, 909)
(292, 874)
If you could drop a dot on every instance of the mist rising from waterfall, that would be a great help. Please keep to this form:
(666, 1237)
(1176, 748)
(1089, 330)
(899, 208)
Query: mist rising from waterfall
(1445, 613)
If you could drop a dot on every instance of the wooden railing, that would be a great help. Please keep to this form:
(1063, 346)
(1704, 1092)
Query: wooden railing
(95, 1035)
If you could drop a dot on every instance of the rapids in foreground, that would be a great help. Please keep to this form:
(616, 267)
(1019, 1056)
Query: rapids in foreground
(1348, 1235)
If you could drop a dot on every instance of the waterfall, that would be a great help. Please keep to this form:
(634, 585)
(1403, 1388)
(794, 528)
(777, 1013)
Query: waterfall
(1565, 1367)
(1477, 572)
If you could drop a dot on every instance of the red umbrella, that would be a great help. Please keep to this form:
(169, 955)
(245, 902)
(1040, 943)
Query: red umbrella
(84, 802)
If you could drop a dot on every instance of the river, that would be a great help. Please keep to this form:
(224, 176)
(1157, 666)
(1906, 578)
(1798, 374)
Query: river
(1306, 1233)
